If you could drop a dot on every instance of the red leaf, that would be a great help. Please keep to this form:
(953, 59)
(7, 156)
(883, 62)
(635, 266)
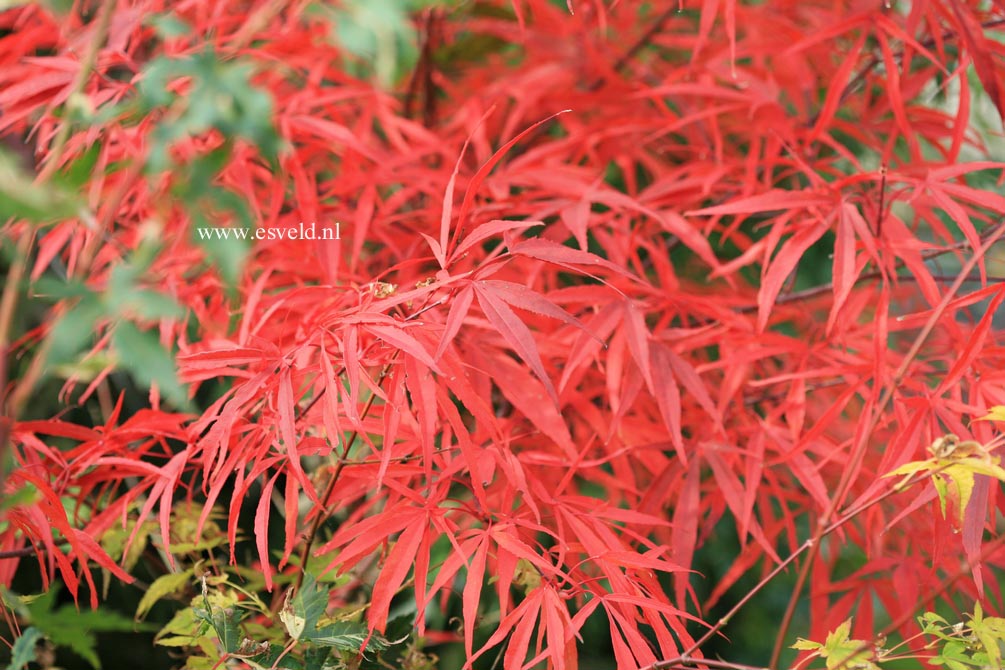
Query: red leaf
(516, 650)
(524, 298)
(782, 265)
(458, 310)
(516, 334)
(844, 263)
(981, 53)
(399, 338)
(489, 229)
(393, 572)
(668, 397)
(566, 257)
(483, 172)
(974, 344)
(472, 595)
(770, 201)
(287, 429)
(262, 529)
(637, 336)
(684, 536)
(529, 396)
(422, 388)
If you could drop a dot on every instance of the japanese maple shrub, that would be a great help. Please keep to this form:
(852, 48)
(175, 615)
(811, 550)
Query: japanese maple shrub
(615, 285)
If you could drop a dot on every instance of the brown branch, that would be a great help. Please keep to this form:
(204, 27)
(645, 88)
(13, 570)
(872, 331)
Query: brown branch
(423, 73)
(645, 39)
(881, 210)
(8, 303)
(29, 551)
(708, 663)
(639, 44)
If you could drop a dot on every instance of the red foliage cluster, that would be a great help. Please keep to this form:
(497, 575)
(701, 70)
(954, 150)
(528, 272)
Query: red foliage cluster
(569, 342)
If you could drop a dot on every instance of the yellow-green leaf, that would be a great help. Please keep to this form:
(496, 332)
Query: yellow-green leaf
(162, 586)
(996, 413)
(806, 645)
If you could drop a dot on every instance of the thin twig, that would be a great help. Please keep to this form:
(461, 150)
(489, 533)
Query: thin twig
(645, 39)
(881, 210)
(814, 291)
(687, 656)
(8, 303)
(323, 513)
(928, 598)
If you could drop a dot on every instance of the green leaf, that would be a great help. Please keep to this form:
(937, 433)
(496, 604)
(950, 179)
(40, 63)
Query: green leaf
(142, 355)
(954, 655)
(268, 660)
(22, 198)
(841, 652)
(348, 636)
(125, 299)
(25, 495)
(221, 98)
(226, 255)
(807, 645)
(224, 621)
(74, 330)
(73, 178)
(990, 631)
(302, 610)
(168, 25)
(183, 625)
(23, 651)
(161, 587)
(68, 627)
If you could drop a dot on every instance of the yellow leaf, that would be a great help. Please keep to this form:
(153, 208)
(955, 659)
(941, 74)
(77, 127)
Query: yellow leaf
(806, 645)
(963, 480)
(911, 468)
(996, 413)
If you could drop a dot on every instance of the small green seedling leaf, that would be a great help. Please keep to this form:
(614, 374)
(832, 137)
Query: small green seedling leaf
(23, 651)
(839, 651)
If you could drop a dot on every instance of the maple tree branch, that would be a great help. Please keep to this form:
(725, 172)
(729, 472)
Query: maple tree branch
(968, 566)
(690, 664)
(20, 553)
(858, 453)
(778, 569)
(8, 303)
(422, 73)
(646, 37)
(814, 291)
